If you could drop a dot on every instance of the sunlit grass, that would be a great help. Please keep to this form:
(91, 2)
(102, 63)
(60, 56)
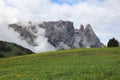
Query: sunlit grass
(74, 64)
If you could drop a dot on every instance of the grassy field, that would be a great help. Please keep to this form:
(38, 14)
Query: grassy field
(74, 64)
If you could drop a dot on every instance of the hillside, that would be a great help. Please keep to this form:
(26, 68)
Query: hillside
(74, 64)
(8, 49)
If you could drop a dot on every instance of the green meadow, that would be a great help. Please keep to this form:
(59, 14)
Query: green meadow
(73, 64)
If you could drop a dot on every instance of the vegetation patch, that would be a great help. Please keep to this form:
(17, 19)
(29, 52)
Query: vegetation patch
(8, 49)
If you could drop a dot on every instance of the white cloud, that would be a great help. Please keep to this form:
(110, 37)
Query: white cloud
(103, 16)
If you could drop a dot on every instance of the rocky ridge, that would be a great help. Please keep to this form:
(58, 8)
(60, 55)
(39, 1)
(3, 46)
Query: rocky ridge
(60, 34)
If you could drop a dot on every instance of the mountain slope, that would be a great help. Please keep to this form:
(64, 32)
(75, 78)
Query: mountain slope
(74, 64)
(11, 49)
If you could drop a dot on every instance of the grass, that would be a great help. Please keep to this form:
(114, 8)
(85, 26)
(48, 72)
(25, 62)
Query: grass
(74, 64)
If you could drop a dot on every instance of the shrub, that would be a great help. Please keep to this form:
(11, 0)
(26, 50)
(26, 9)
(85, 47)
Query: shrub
(113, 43)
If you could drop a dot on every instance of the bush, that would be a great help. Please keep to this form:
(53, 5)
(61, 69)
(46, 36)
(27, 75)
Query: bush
(113, 43)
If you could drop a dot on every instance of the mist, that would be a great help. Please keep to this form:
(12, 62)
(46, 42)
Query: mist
(9, 15)
(9, 35)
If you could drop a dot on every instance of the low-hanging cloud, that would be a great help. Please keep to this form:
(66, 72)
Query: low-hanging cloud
(103, 15)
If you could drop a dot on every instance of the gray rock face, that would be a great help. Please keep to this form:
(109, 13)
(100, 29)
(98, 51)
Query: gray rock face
(86, 37)
(25, 33)
(60, 34)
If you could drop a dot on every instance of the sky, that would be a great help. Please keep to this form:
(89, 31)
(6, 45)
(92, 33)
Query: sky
(103, 15)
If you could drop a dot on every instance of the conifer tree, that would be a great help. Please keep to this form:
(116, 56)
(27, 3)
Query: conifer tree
(113, 43)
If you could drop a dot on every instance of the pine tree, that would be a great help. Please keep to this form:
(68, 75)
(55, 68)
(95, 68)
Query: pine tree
(113, 43)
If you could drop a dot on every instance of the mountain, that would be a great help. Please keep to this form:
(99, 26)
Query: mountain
(59, 34)
(86, 37)
(11, 49)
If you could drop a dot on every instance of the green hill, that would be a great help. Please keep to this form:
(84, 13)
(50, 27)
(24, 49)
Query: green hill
(74, 64)
(8, 49)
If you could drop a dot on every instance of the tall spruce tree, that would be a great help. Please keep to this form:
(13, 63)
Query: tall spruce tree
(113, 43)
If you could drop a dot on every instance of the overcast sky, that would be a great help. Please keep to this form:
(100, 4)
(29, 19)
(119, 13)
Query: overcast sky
(103, 15)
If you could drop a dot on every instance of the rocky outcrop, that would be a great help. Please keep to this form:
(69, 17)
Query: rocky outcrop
(26, 33)
(86, 37)
(60, 34)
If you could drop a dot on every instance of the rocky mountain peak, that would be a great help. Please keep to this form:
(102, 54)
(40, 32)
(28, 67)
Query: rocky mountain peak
(81, 27)
(60, 34)
(88, 27)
